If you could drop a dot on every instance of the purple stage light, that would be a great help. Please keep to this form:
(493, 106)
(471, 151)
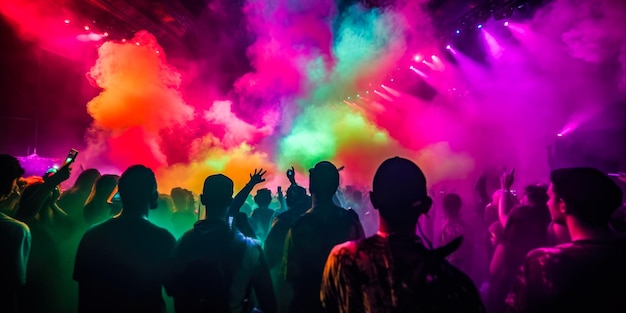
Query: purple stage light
(506, 24)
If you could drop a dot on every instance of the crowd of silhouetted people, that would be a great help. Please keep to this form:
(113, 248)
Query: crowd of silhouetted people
(114, 244)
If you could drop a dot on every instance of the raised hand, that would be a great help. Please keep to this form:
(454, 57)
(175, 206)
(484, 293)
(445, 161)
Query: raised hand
(257, 176)
(291, 175)
(58, 176)
(507, 179)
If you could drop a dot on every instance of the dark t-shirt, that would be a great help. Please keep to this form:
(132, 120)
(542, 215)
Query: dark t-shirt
(581, 276)
(526, 229)
(275, 242)
(215, 264)
(261, 219)
(121, 265)
(309, 241)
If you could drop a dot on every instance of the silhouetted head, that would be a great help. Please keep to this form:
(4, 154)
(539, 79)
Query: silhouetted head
(297, 198)
(10, 171)
(25, 210)
(182, 198)
(137, 188)
(535, 195)
(217, 192)
(323, 180)
(105, 185)
(452, 205)
(399, 193)
(263, 197)
(86, 179)
(584, 193)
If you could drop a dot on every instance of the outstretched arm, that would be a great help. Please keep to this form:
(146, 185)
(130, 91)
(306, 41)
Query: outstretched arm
(506, 201)
(39, 199)
(242, 195)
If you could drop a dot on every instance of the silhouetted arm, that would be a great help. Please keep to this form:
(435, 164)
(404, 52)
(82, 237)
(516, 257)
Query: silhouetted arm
(506, 202)
(242, 195)
(40, 197)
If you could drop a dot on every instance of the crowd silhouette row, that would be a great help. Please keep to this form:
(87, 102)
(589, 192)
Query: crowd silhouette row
(114, 244)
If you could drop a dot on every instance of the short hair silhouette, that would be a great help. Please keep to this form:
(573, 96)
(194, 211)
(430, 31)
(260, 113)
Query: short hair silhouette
(536, 194)
(324, 179)
(399, 192)
(137, 186)
(263, 197)
(588, 194)
(218, 191)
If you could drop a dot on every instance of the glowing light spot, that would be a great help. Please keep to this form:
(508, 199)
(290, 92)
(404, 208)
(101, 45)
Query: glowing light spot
(66, 21)
(559, 135)
(86, 27)
(123, 40)
(479, 26)
(448, 47)
(417, 58)
(458, 31)
(106, 34)
(136, 43)
(506, 24)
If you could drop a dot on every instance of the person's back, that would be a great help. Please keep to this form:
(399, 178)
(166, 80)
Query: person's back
(455, 227)
(309, 241)
(393, 271)
(313, 235)
(120, 266)
(386, 273)
(298, 203)
(261, 217)
(584, 276)
(121, 263)
(214, 268)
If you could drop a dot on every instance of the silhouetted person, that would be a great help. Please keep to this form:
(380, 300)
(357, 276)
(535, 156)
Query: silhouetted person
(313, 235)
(525, 230)
(98, 208)
(121, 263)
(15, 239)
(261, 217)
(298, 202)
(184, 215)
(393, 271)
(587, 274)
(455, 227)
(214, 267)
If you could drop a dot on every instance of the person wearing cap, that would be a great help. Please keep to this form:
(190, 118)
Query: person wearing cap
(312, 236)
(214, 267)
(392, 271)
(588, 273)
